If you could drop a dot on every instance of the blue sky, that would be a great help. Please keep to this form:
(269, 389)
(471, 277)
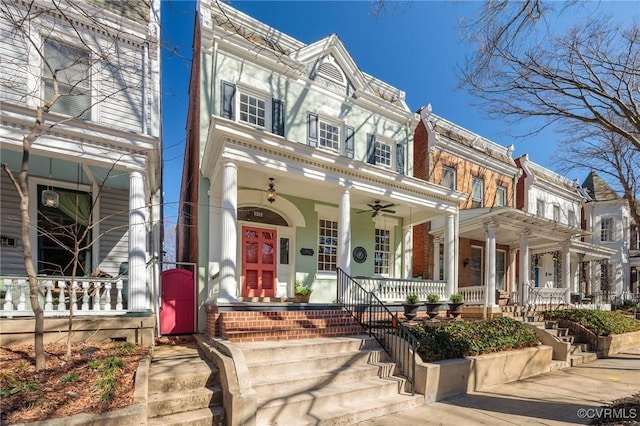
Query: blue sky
(413, 45)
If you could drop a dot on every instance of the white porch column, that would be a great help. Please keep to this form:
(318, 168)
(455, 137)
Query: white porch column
(229, 233)
(450, 255)
(137, 292)
(408, 252)
(524, 268)
(436, 258)
(490, 263)
(512, 271)
(215, 220)
(344, 232)
(566, 272)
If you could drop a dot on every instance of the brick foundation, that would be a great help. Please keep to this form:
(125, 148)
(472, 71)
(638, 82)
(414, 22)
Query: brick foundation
(258, 326)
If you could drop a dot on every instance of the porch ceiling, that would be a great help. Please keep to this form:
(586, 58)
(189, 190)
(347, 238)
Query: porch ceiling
(511, 223)
(309, 173)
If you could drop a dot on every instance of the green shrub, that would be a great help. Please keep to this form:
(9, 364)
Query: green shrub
(458, 339)
(301, 290)
(456, 298)
(601, 323)
(433, 298)
(412, 299)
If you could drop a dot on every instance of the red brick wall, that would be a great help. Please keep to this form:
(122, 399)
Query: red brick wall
(243, 326)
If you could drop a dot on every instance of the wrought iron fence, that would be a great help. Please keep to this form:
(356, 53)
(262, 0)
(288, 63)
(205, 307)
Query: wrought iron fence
(380, 323)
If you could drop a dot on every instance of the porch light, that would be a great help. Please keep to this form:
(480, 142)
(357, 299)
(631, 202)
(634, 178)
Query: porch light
(49, 197)
(271, 192)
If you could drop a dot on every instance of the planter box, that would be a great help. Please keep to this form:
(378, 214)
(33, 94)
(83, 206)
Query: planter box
(616, 343)
(444, 379)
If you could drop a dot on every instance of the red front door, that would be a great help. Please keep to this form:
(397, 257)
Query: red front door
(258, 262)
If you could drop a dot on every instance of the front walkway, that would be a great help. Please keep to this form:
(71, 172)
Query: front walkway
(562, 397)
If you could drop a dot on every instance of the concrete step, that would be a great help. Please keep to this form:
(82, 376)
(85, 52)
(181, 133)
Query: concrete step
(193, 373)
(582, 358)
(550, 324)
(260, 352)
(566, 338)
(577, 348)
(346, 403)
(203, 417)
(323, 362)
(559, 365)
(162, 404)
(308, 380)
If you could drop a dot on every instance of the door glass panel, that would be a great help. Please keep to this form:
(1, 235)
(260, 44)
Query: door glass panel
(268, 254)
(284, 251)
(267, 235)
(250, 233)
(252, 252)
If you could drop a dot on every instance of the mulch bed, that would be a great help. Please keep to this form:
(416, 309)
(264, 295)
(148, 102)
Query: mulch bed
(29, 395)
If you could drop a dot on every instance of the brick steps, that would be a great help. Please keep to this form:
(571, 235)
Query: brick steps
(248, 326)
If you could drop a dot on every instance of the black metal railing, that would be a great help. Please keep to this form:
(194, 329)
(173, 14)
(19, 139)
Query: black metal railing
(396, 339)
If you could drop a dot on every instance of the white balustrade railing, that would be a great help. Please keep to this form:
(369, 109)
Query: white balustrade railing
(397, 289)
(473, 295)
(547, 296)
(85, 295)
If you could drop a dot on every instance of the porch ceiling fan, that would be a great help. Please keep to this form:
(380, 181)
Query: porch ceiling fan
(376, 208)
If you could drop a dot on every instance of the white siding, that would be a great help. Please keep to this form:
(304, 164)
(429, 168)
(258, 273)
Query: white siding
(13, 83)
(114, 243)
(11, 262)
(120, 82)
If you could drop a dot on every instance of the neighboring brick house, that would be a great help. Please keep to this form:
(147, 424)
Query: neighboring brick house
(607, 217)
(449, 155)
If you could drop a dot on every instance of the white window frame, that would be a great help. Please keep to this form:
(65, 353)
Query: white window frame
(381, 158)
(453, 176)
(571, 218)
(541, 207)
(386, 267)
(477, 202)
(481, 264)
(243, 91)
(332, 245)
(501, 196)
(501, 275)
(556, 212)
(85, 84)
(322, 141)
(607, 233)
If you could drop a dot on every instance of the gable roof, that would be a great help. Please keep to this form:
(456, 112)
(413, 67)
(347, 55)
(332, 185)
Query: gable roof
(327, 54)
(598, 189)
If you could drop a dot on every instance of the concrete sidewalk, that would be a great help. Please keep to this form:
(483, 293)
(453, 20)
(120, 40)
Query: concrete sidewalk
(562, 397)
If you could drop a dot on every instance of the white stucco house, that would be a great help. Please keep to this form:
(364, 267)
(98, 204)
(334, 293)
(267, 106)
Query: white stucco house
(607, 216)
(560, 251)
(297, 163)
(95, 159)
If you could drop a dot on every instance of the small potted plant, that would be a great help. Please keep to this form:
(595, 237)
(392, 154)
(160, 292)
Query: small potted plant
(411, 306)
(455, 303)
(301, 293)
(433, 304)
